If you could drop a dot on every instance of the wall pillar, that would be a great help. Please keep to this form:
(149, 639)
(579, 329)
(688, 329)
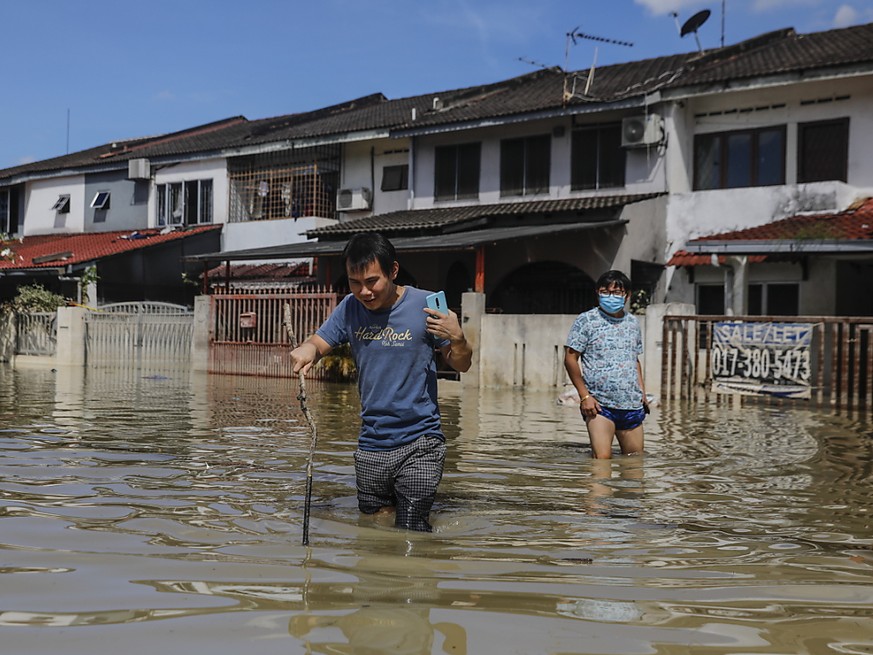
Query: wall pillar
(472, 310)
(70, 349)
(201, 333)
(736, 277)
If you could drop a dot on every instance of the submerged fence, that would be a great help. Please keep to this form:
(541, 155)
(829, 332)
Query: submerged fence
(138, 333)
(248, 334)
(828, 361)
(36, 333)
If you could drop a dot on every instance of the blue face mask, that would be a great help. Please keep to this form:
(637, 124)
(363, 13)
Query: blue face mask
(611, 304)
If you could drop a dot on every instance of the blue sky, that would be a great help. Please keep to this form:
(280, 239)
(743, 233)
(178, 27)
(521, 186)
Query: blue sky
(123, 69)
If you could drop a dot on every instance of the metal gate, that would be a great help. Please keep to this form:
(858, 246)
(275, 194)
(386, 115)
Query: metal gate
(36, 333)
(840, 359)
(248, 335)
(138, 334)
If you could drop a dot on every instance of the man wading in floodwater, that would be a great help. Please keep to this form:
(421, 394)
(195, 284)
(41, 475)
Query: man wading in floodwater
(610, 379)
(393, 334)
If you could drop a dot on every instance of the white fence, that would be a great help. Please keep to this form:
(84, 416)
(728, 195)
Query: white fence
(36, 333)
(132, 334)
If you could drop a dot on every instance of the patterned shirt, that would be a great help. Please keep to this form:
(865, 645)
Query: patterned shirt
(609, 347)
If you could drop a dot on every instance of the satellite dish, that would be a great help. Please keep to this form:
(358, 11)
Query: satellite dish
(693, 24)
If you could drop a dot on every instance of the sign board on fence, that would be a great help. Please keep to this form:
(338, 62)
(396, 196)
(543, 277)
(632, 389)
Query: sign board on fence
(762, 358)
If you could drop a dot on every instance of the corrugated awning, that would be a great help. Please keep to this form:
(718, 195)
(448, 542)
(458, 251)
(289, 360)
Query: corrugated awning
(434, 243)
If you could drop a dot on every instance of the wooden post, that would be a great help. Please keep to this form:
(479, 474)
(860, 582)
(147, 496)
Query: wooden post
(479, 285)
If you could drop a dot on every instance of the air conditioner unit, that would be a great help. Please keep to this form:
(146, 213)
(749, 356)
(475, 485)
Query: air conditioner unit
(138, 169)
(353, 199)
(639, 131)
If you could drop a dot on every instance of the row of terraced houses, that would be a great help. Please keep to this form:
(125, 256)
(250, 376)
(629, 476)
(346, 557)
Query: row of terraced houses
(737, 179)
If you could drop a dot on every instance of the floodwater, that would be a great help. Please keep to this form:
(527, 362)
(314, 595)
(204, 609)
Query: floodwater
(144, 514)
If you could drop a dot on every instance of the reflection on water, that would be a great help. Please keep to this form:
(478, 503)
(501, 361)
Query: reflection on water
(166, 510)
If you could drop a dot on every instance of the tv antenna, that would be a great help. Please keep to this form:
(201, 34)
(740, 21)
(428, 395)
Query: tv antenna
(573, 37)
(693, 24)
(533, 62)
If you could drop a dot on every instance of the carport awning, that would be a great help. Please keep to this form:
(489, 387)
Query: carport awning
(455, 241)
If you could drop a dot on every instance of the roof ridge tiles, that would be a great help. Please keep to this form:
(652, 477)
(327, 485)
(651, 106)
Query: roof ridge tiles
(199, 130)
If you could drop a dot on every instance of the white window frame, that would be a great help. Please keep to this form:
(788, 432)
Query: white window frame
(171, 203)
(62, 205)
(101, 203)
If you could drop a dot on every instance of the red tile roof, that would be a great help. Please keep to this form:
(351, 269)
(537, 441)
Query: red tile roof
(54, 250)
(262, 272)
(685, 258)
(853, 224)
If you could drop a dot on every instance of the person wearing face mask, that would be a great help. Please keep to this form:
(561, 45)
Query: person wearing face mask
(602, 359)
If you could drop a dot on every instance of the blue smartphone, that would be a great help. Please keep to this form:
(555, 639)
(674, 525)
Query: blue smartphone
(438, 302)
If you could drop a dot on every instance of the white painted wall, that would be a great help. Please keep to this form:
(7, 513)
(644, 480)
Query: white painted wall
(804, 102)
(645, 172)
(261, 234)
(41, 195)
(209, 169)
(703, 213)
(363, 164)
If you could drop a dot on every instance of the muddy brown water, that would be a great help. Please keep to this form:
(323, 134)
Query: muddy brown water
(162, 513)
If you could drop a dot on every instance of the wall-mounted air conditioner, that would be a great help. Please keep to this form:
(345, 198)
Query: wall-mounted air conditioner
(639, 131)
(353, 199)
(138, 169)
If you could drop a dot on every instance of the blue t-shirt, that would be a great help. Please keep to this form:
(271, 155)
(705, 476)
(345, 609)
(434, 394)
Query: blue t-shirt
(610, 347)
(397, 379)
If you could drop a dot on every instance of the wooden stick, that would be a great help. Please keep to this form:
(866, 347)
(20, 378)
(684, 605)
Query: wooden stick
(313, 440)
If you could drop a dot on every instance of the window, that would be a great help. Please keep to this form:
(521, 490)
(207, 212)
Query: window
(730, 160)
(101, 200)
(524, 165)
(457, 171)
(710, 299)
(823, 151)
(185, 203)
(597, 158)
(395, 178)
(62, 206)
(5, 212)
(782, 299)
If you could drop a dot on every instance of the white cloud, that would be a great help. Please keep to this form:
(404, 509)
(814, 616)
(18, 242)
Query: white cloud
(762, 6)
(27, 159)
(166, 94)
(659, 7)
(846, 15)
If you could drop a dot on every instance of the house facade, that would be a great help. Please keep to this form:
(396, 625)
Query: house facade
(524, 190)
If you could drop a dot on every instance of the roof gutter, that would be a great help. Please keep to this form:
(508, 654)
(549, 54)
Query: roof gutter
(776, 246)
(592, 108)
(785, 79)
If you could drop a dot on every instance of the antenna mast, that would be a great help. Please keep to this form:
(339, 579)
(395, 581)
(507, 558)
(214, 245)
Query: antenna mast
(572, 37)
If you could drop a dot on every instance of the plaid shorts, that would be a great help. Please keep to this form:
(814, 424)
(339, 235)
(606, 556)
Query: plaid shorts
(405, 478)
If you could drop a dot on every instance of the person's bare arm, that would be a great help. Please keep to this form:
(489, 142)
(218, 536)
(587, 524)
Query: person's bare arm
(588, 404)
(457, 353)
(642, 384)
(304, 356)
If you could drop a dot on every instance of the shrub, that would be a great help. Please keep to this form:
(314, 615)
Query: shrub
(36, 298)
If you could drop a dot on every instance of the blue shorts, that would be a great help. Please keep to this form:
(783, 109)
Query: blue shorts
(624, 419)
